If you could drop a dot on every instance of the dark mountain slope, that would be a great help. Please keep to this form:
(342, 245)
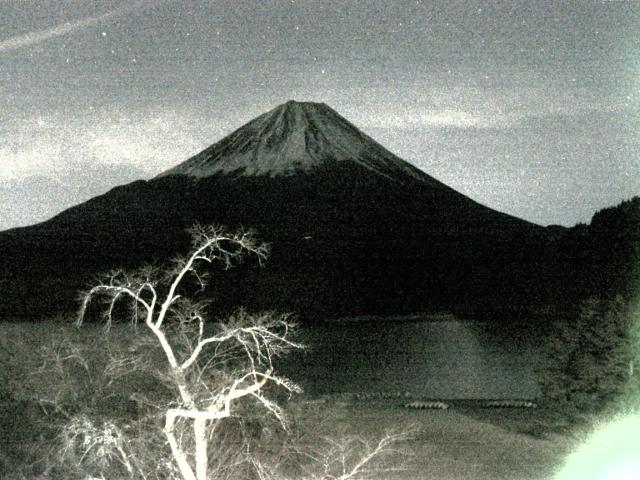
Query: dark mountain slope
(353, 229)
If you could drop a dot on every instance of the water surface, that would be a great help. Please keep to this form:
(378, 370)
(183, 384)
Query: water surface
(451, 359)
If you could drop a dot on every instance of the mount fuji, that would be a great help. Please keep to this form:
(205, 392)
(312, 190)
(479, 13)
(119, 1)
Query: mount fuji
(354, 229)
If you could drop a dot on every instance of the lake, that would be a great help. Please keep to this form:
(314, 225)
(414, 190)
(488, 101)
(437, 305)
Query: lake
(449, 359)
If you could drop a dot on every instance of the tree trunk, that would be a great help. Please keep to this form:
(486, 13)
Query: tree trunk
(176, 451)
(200, 432)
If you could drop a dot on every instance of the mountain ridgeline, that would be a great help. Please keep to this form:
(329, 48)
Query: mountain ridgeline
(354, 230)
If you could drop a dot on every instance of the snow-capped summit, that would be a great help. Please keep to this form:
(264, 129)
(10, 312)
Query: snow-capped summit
(293, 137)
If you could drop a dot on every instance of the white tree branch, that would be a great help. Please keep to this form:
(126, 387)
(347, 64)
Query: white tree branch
(259, 337)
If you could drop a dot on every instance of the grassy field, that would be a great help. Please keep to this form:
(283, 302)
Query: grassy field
(463, 442)
(459, 443)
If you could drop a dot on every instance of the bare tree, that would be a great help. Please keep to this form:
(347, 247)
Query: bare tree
(191, 349)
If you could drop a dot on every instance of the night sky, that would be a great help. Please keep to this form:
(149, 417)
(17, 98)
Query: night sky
(530, 108)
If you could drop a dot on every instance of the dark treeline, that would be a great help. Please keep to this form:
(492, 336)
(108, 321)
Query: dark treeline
(592, 333)
(602, 257)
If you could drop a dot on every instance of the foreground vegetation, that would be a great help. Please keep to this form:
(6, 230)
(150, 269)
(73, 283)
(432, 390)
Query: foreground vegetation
(463, 442)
